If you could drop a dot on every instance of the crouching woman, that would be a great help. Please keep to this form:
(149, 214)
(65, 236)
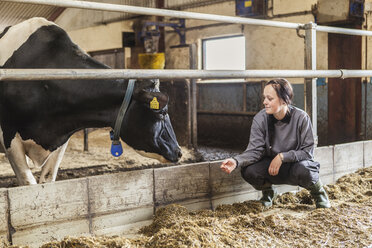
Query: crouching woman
(280, 149)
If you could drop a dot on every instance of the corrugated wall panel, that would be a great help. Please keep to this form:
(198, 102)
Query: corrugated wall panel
(13, 13)
(184, 4)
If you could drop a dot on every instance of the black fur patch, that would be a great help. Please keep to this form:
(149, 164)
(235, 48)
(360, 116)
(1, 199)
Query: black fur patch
(4, 32)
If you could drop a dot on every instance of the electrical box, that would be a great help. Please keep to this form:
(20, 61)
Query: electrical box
(128, 39)
(251, 8)
(339, 11)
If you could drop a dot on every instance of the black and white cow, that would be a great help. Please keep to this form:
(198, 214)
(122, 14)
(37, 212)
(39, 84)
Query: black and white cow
(37, 118)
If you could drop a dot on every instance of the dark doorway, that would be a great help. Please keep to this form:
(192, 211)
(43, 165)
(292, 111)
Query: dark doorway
(344, 95)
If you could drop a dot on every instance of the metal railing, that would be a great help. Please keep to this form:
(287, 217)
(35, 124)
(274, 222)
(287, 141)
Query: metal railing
(71, 74)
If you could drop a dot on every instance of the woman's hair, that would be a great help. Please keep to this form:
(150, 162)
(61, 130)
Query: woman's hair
(283, 89)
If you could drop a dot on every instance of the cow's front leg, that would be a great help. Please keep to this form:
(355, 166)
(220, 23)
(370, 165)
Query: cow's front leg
(50, 168)
(17, 158)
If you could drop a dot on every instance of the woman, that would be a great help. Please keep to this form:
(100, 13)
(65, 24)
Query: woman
(280, 149)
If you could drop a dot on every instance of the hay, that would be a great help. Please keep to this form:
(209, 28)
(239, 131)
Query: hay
(293, 221)
(86, 242)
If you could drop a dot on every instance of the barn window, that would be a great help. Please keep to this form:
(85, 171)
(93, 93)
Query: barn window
(224, 53)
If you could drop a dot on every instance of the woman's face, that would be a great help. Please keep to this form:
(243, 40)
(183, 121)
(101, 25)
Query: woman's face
(273, 104)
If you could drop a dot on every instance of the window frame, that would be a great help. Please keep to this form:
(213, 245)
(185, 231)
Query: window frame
(219, 38)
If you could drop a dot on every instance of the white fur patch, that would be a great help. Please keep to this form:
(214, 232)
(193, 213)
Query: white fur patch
(35, 152)
(2, 139)
(17, 158)
(20, 149)
(51, 165)
(153, 155)
(17, 35)
(29, 148)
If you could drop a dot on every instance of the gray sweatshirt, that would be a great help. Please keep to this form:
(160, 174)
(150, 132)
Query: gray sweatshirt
(292, 136)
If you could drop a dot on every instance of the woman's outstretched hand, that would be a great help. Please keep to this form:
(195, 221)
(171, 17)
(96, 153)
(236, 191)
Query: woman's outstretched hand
(228, 165)
(275, 165)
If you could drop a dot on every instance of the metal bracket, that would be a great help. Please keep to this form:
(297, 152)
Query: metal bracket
(298, 31)
(342, 74)
(179, 28)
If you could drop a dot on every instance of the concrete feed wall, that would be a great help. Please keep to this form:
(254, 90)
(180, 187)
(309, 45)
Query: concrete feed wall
(120, 203)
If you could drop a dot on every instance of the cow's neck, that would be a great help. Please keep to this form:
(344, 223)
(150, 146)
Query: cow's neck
(98, 108)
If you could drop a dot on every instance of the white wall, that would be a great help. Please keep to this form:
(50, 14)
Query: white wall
(101, 37)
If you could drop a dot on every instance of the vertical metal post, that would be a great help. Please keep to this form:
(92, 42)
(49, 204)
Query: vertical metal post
(160, 5)
(310, 94)
(244, 97)
(86, 139)
(194, 123)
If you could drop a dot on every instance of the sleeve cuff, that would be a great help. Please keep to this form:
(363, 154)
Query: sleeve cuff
(237, 162)
(286, 157)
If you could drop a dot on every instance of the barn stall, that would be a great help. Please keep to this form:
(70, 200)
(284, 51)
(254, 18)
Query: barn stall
(204, 179)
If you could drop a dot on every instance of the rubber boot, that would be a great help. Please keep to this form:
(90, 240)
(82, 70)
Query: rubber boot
(268, 196)
(319, 195)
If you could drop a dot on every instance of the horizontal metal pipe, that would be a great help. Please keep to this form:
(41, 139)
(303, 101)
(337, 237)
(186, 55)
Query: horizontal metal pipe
(185, 14)
(63, 74)
(348, 31)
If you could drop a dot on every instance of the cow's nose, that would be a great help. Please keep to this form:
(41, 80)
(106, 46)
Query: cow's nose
(179, 154)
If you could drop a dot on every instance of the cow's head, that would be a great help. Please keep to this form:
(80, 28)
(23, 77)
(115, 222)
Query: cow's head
(147, 127)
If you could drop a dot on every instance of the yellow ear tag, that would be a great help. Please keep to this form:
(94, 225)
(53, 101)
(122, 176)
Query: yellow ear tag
(154, 104)
(248, 4)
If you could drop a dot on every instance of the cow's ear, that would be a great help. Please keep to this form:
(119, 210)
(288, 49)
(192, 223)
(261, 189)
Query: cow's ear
(153, 100)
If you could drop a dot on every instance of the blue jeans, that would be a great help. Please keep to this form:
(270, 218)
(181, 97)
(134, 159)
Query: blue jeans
(303, 173)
